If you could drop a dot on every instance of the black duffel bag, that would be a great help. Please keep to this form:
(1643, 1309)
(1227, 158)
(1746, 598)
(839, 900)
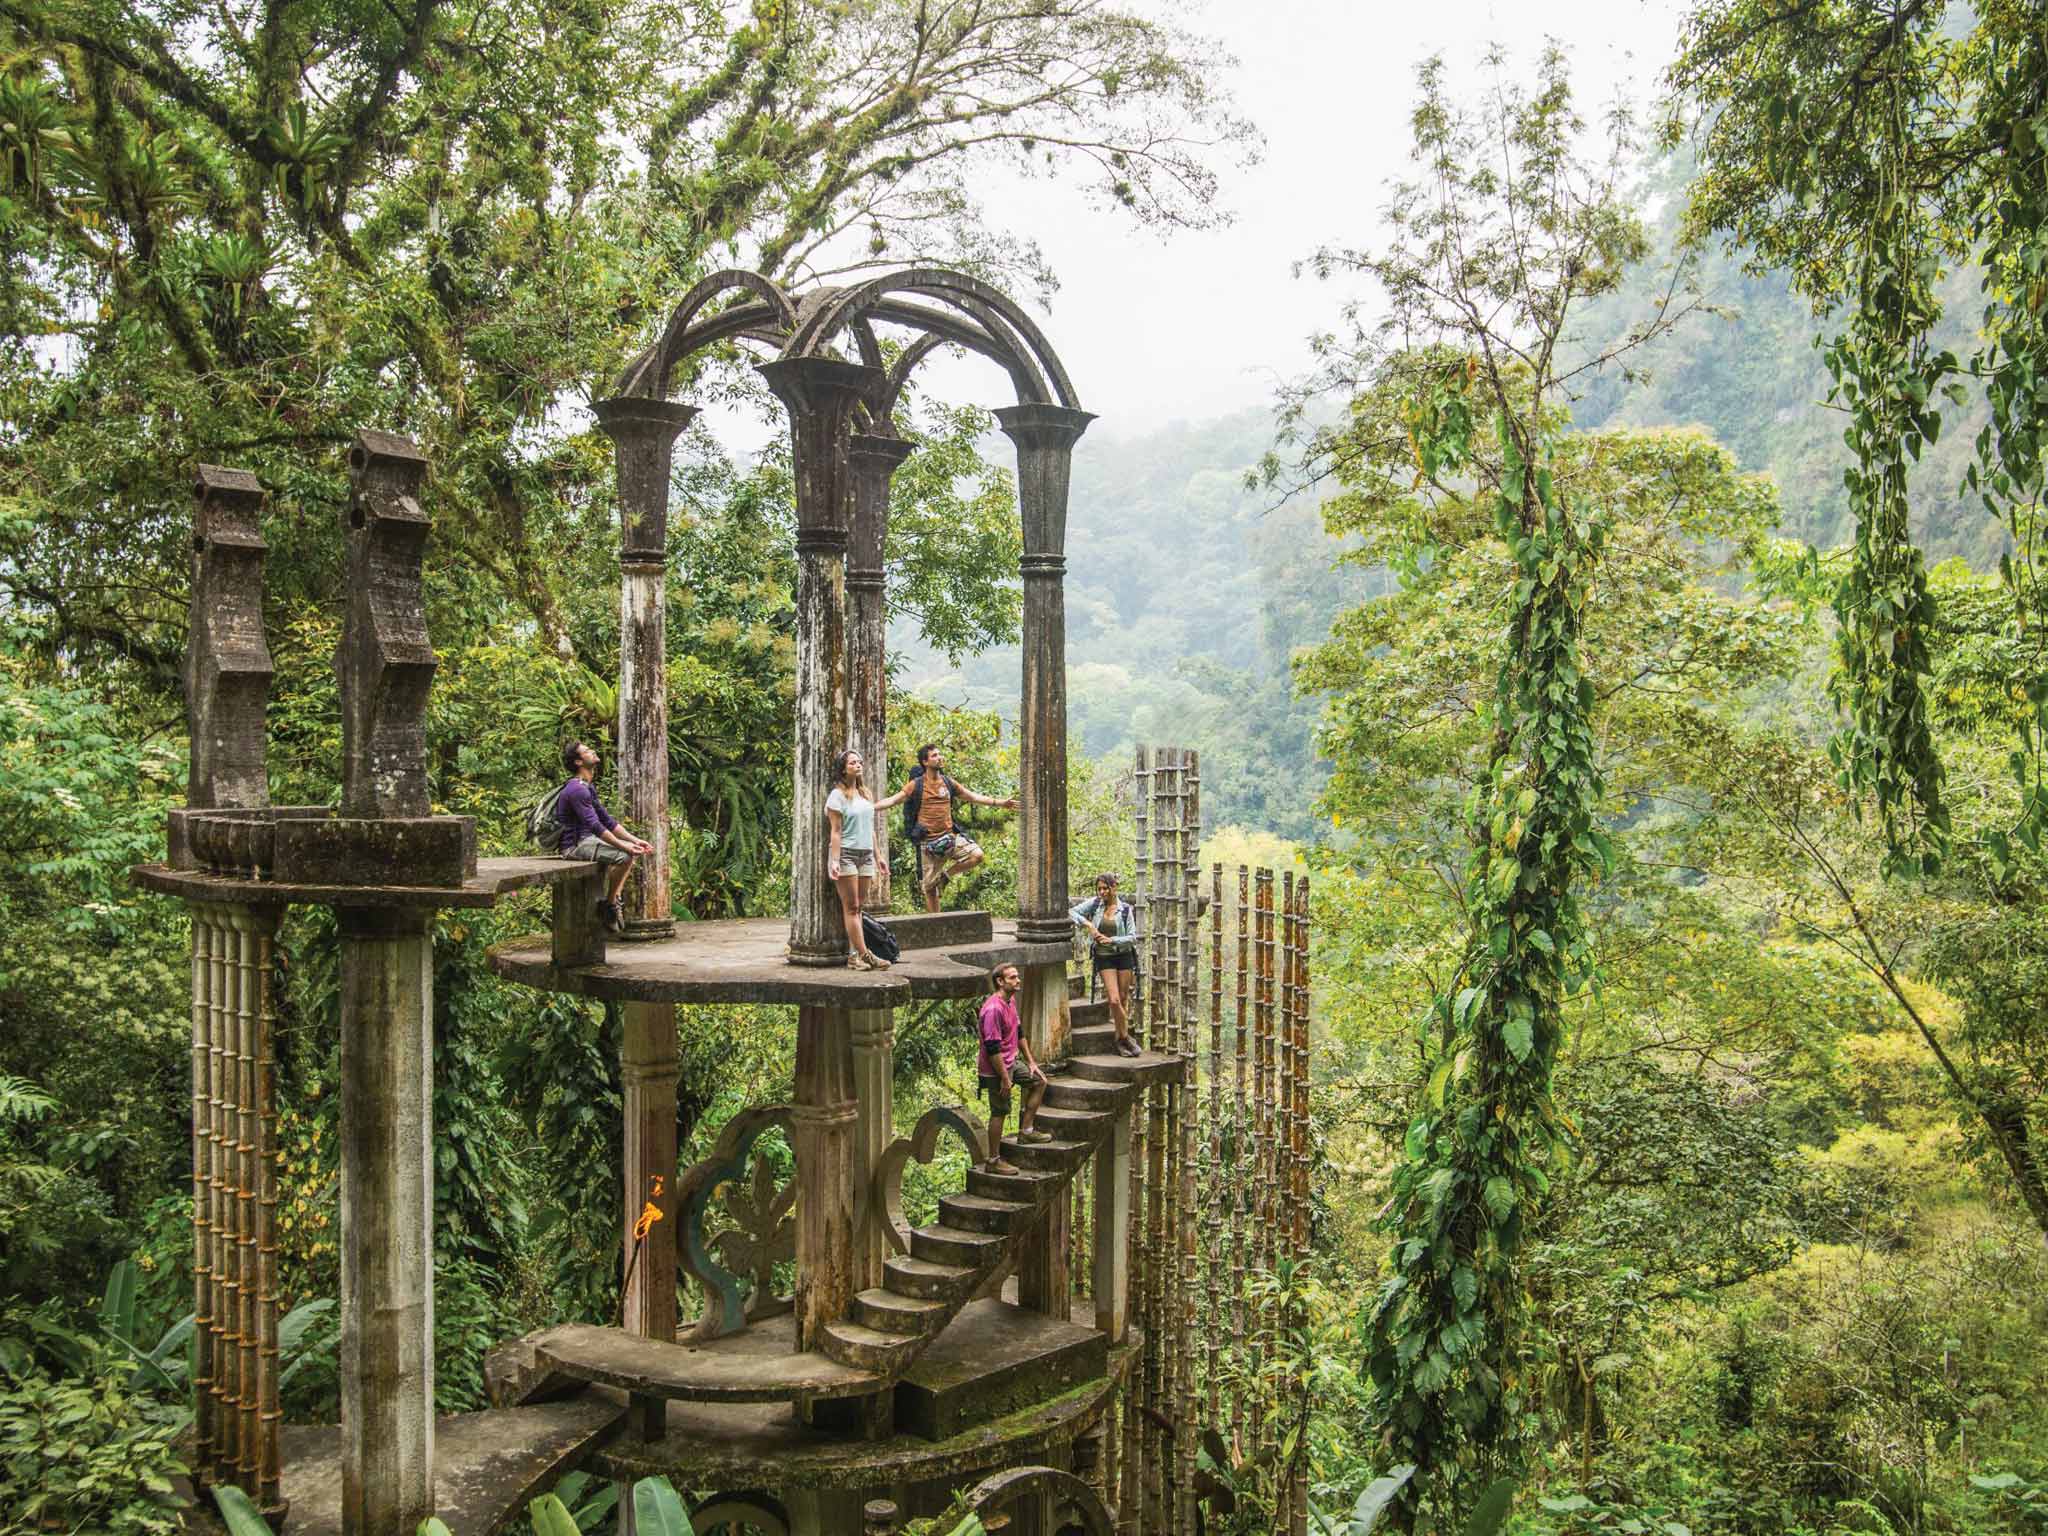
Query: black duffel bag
(880, 940)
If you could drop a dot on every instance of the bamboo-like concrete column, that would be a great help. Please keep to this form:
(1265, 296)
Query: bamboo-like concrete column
(821, 394)
(873, 459)
(822, 1132)
(643, 433)
(1045, 436)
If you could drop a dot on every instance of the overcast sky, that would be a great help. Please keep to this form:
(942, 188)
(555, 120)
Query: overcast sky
(1329, 83)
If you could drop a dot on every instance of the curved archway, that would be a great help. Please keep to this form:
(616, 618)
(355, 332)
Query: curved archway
(1004, 1488)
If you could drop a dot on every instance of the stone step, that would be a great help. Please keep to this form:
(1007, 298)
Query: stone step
(868, 1349)
(929, 1279)
(1088, 1125)
(1093, 1040)
(979, 1213)
(886, 1311)
(1074, 1093)
(1087, 1015)
(1145, 1069)
(1055, 1156)
(954, 1245)
(1024, 1186)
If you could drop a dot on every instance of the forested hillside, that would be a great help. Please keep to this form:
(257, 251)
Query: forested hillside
(1187, 595)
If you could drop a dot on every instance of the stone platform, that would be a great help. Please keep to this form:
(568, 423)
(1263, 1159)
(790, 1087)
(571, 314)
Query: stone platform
(945, 954)
(487, 1465)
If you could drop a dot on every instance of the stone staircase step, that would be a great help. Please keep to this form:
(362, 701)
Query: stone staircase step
(1093, 1040)
(979, 1213)
(1145, 1069)
(1054, 1156)
(1087, 1015)
(868, 1349)
(1024, 1186)
(1072, 1093)
(1089, 1125)
(886, 1311)
(953, 1245)
(929, 1279)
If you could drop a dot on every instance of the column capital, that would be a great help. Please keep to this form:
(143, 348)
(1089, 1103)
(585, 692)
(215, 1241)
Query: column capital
(875, 448)
(643, 431)
(1039, 425)
(809, 385)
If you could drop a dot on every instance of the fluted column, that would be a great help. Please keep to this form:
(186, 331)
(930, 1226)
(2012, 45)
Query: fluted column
(821, 393)
(874, 460)
(874, 1083)
(822, 1133)
(1045, 436)
(643, 434)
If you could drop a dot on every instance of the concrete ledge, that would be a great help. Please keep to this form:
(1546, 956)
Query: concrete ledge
(494, 879)
(745, 961)
(992, 1360)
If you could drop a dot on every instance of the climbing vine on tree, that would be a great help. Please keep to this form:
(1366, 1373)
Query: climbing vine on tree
(1460, 406)
(1444, 1345)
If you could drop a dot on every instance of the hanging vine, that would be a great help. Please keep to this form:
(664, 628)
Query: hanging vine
(1447, 1354)
(1886, 377)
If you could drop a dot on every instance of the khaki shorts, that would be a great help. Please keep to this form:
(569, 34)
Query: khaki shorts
(856, 861)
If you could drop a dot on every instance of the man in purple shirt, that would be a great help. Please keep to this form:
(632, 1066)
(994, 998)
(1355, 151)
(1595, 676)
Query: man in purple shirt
(1001, 1039)
(589, 832)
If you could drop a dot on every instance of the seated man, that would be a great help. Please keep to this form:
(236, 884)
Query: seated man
(943, 851)
(589, 832)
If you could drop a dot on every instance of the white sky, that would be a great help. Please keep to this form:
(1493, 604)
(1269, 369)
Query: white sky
(1330, 84)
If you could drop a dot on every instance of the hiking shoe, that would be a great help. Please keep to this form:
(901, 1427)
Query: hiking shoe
(997, 1166)
(609, 914)
(858, 963)
(1126, 1046)
(1034, 1137)
(877, 963)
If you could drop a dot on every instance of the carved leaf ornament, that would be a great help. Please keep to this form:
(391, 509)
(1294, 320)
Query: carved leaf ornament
(736, 1267)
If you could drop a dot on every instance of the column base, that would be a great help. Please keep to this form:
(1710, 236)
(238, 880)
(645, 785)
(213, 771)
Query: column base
(817, 959)
(1045, 930)
(640, 930)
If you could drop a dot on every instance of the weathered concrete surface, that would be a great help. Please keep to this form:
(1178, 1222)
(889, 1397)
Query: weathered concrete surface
(995, 1359)
(759, 1365)
(743, 961)
(821, 394)
(227, 661)
(823, 1121)
(494, 879)
(649, 1070)
(755, 1445)
(489, 1464)
(386, 663)
(349, 850)
(387, 1219)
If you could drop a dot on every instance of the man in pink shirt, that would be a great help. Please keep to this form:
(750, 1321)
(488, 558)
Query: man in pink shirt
(1002, 1038)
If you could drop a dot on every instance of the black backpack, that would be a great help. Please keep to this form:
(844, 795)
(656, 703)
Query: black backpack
(880, 940)
(913, 803)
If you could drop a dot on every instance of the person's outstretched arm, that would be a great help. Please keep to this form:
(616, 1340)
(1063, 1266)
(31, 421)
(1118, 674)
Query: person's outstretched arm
(973, 799)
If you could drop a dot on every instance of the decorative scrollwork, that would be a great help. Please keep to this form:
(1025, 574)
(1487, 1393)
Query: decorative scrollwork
(736, 1267)
(733, 1514)
(882, 1201)
(1056, 1487)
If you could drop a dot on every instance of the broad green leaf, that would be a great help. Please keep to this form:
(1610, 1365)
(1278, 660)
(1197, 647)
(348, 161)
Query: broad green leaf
(239, 1513)
(658, 1509)
(1491, 1512)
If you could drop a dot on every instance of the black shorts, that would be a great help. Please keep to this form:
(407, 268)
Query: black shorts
(1114, 960)
(997, 1089)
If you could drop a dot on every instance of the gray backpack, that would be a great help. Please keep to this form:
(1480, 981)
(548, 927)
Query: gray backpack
(543, 824)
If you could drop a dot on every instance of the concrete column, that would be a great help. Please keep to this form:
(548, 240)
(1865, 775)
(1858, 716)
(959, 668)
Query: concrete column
(874, 460)
(874, 1074)
(387, 1212)
(1045, 436)
(1111, 1211)
(643, 434)
(821, 393)
(1043, 1283)
(822, 1126)
(649, 1069)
